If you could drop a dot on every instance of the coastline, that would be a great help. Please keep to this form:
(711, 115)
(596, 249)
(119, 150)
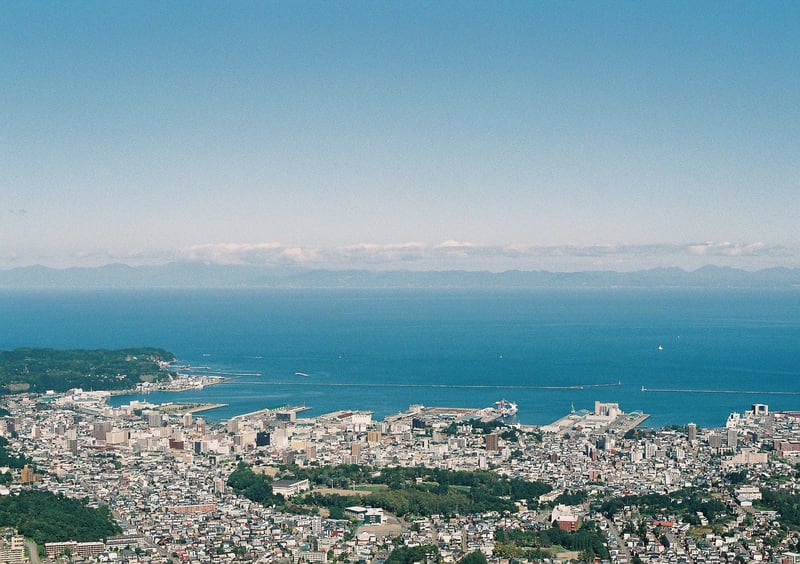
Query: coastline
(182, 383)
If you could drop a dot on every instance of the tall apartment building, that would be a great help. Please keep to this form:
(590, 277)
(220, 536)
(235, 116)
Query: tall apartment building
(12, 548)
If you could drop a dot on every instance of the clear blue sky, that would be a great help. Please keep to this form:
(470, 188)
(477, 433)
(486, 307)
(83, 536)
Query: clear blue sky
(557, 135)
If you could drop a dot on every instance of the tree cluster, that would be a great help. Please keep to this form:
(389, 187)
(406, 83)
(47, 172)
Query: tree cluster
(422, 491)
(255, 487)
(474, 557)
(412, 554)
(47, 517)
(787, 504)
(535, 545)
(9, 459)
(686, 503)
(571, 497)
(38, 370)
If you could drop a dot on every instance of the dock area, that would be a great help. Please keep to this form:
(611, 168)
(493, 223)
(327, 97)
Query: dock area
(626, 422)
(433, 415)
(606, 418)
(293, 410)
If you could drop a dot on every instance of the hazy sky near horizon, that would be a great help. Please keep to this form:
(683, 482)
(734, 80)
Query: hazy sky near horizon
(555, 135)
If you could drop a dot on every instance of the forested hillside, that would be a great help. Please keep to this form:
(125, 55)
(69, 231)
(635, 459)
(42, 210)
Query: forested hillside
(39, 370)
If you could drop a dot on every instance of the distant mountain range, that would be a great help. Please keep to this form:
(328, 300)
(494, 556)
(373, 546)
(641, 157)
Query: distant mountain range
(202, 275)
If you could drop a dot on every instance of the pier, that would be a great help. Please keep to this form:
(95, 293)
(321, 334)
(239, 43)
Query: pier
(451, 414)
(429, 414)
(627, 422)
(182, 408)
(267, 410)
(606, 418)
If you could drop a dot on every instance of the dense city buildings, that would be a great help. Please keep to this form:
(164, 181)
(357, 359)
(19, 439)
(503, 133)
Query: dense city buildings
(165, 476)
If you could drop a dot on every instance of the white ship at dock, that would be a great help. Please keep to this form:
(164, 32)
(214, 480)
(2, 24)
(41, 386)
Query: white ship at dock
(505, 409)
(502, 409)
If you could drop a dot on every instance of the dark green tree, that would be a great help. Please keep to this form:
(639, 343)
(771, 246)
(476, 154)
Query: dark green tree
(409, 555)
(475, 557)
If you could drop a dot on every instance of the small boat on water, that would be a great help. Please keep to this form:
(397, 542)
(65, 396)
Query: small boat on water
(301, 374)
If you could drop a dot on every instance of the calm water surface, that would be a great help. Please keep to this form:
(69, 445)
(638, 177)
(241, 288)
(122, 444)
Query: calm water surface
(384, 350)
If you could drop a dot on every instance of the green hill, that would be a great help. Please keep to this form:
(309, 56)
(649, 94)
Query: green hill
(39, 370)
(46, 517)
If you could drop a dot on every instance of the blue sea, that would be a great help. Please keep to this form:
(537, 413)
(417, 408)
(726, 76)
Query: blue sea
(699, 354)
